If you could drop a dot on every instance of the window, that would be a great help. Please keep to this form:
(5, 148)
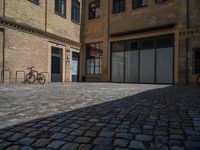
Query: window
(118, 6)
(139, 3)
(197, 60)
(94, 57)
(60, 7)
(160, 1)
(94, 9)
(75, 11)
(35, 1)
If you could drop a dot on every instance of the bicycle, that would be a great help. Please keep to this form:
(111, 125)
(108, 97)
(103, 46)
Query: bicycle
(33, 76)
(198, 79)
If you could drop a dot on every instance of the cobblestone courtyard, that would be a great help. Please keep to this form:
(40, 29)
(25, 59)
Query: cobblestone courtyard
(99, 116)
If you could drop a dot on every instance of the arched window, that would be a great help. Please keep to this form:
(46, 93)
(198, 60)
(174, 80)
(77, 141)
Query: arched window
(94, 9)
(75, 14)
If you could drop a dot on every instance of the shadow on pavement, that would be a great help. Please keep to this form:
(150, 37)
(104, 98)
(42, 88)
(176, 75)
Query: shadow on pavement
(166, 118)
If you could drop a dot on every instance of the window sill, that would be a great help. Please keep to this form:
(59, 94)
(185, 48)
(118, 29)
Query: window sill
(63, 16)
(34, 2)
(78, 23)
(164, 2)
(119, 13)
(142, 7)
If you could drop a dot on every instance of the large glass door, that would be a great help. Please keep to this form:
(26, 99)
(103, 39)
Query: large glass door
(148, 60)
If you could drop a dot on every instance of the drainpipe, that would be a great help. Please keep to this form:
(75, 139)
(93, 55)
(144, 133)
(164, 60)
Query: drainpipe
(187, 42)
(3, 67)
(45, 15)
(108, 55)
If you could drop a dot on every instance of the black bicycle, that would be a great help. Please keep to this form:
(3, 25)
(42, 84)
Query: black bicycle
(198, 80)
(33, 76)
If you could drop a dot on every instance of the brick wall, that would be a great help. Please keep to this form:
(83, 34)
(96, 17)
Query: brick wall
(26, 12)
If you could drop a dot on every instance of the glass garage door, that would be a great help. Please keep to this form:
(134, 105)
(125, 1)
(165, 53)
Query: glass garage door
(147, 60)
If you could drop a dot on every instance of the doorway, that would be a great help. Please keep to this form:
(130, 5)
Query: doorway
(56, 64)
(75, 67)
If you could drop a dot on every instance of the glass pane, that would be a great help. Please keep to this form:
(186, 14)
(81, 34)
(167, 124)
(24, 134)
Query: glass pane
(131, 66)
(118, 67)
(164, 41)
(164, 65)
(147, 66)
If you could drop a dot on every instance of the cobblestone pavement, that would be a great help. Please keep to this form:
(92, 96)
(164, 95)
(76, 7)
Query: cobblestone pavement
(91, 116)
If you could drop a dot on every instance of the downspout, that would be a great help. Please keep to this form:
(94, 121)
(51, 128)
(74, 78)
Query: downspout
(45, 15)
(3, 53)
(3, 76)
(187, 42)
(4, 8)
(108, 55)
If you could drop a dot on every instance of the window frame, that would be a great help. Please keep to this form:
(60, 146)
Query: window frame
(141, 6)
(161, 1)
(89, 9)
(57, 11)
(195, 61)
(120, 10)
(37, 2)
(100, 58)
(77, 9)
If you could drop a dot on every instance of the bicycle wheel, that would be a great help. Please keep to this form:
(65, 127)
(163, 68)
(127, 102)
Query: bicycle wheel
(30, 78)
(41, 78)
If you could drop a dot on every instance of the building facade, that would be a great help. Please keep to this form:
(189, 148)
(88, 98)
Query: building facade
(40, 33)
(140, 41)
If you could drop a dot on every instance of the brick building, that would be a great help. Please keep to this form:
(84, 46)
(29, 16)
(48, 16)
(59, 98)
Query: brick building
(40, 33)
(140, 41)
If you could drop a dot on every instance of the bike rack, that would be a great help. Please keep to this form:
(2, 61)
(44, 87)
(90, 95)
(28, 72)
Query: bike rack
(46, 73)
(3, 72)
(17, 72)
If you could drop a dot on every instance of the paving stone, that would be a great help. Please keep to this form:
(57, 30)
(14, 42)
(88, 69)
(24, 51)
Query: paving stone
(82, 139)
(56, 144)
(158, 146)
(85, 147)
(26, 148)
(135, 130)
(177, 137)
(69, 138)
(99, 141)
(70, 146)
(117, 148)
(177, 148)
(91, 134)
(41, 142)
(192, 144)
(142, 137)
(121, 142)
(34, 133)
(4, 145)
(137, 145)
(16, 137)
(13, 147)
(77, 133)
(26, 141)
(106, 134)
(124, 135)
(58, 136)
(103, 147)
(6, 134)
